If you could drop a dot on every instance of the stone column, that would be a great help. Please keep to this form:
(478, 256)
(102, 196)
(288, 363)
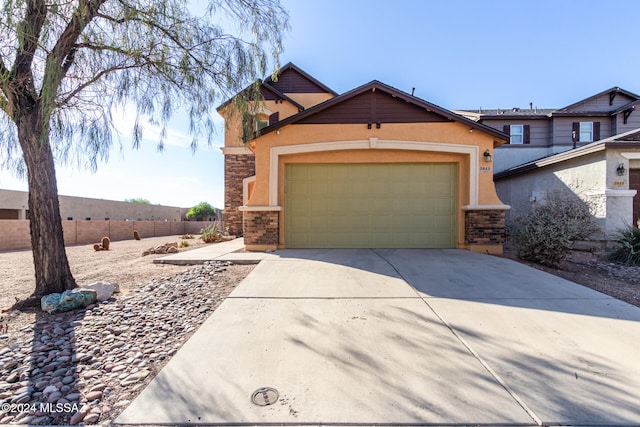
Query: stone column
(239, 163)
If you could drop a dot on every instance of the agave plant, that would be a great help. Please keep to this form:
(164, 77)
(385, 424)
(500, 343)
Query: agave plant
(628, 248)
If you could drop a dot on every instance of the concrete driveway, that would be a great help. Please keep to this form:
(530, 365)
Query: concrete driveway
(440, 337)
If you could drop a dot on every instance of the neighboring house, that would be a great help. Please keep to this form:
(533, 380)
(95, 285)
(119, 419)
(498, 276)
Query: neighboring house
(590, 147)
(605, 173)
(372, 168)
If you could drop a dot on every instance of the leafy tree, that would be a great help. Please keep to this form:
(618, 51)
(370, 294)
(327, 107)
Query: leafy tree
(201, 211)
(138, 200)
(65, 65)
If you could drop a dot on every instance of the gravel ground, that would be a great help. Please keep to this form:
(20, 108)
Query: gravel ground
(86, 366)
(594, 271)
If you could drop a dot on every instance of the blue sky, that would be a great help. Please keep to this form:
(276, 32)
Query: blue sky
(457, 54)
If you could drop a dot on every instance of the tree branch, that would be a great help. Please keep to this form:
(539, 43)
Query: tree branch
(4, 80)
(62, 56)
(94, 79)
(29, 31)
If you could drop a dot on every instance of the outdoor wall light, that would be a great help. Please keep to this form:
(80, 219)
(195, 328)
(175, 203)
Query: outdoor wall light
(622, 171)
(487, 156)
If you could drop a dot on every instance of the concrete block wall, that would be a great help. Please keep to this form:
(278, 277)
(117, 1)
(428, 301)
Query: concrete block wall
(121, 230)
(193, 227)
(145, 229)
(91, 231)
(15, 235)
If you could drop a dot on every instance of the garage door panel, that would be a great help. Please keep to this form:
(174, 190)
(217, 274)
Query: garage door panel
(370, 205)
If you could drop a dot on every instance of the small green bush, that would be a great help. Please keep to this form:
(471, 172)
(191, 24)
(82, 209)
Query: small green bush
(545, 233)
(628, 250)
(184, 244)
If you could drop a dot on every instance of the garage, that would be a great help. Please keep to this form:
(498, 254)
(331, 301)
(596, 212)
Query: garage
(371, 205)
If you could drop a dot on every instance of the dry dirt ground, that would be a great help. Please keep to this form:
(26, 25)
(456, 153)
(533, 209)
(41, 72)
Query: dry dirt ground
(594, 271)
(122, 264)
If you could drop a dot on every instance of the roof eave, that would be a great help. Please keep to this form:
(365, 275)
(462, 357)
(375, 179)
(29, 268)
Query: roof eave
(581, 114)
(548, 161)
(373, 85)
(604, 92)
(591, 148)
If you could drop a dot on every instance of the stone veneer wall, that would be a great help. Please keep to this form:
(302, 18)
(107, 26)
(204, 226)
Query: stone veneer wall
(484, 227)
(236, 168)
(261, 227)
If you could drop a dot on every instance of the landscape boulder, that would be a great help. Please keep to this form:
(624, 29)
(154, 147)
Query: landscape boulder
(104, 290)
(68, 300)
(167, 248)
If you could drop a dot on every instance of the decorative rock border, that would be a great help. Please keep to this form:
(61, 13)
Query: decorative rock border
(86, 366)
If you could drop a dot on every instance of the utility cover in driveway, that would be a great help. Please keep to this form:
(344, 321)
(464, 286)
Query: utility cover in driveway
(379, 205)
(403, 336)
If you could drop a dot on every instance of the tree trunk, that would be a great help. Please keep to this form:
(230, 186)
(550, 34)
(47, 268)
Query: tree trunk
(47, 242)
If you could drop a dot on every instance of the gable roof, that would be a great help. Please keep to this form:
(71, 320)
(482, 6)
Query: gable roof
(612, 92)
(270, 93)
(376, 102)
(291, 79)
(568, 111)
(630, 139)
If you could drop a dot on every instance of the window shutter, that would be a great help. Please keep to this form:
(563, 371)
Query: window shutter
(526, 139)
(575, 136)
(507, 129)
(596, 131)
(274, 118)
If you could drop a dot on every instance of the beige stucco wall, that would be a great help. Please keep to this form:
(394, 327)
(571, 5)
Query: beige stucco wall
(592, 177)
(450, 133)
(443, 133)
(308, 100)
(233, 128)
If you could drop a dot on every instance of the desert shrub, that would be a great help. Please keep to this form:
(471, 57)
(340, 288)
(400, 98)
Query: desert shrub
(210, 233)
(184, 244)
(545, 233)
(187, 236)
(627, 247)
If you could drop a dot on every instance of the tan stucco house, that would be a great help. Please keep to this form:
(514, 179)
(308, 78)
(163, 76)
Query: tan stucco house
(374, 167)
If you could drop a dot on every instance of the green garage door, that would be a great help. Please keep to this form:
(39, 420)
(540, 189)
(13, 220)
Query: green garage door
(380, 205)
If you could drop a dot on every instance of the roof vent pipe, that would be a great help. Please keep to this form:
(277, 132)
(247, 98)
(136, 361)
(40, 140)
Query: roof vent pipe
(531, 106)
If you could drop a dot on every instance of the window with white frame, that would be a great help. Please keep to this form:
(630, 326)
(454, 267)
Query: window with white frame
(260, 123)
(516, 132)
(586, 132)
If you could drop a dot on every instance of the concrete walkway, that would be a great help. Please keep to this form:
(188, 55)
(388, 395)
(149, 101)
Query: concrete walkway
(232, 250)
(388, 337)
